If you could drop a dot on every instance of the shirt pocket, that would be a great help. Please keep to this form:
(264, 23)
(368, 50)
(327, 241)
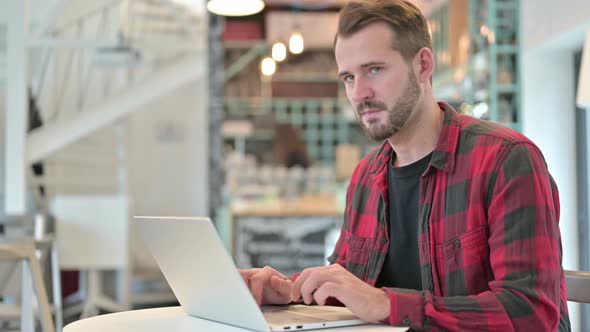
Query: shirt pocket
(357, 255)
(464, 263)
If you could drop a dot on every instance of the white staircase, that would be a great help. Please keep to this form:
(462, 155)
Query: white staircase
(86, 90)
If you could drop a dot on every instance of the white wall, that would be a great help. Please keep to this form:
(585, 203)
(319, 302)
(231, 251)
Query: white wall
(548, 117)
(2, 114)
(551, 32)
(169, 156)
(546, 22)
(168, 153)
(549, 121)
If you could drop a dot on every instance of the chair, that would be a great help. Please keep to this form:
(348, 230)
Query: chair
(47, 248)
(578, 286)
(23, 251)
(42, 232)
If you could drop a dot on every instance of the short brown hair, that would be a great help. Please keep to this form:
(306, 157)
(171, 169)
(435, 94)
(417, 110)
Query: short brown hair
(403, 17)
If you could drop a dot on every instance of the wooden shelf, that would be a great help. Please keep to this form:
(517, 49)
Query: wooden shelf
(309, 205)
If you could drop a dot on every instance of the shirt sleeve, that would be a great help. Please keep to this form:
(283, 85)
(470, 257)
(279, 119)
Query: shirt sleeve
(338, 256)
(525, 256)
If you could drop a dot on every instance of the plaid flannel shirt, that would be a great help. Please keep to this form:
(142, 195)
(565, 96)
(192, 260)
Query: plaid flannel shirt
(489, 241)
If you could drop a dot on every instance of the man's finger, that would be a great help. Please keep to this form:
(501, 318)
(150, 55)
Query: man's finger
(328, 289)
(281, 286)
(261, 280)
(257, 282)
(296, 290)
(307, 282)
(312, 282)
(249, 272)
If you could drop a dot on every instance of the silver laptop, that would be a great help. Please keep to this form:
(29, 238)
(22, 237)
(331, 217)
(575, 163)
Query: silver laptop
(208, 285)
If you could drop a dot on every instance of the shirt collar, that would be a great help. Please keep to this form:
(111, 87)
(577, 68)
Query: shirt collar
(443, 156)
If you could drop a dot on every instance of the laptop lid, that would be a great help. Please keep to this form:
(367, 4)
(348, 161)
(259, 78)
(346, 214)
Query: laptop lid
(192, 258)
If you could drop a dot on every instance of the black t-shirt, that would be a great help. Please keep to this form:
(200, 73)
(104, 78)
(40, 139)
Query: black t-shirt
(402, 263)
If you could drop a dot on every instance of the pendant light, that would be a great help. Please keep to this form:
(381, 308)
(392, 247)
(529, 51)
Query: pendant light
(268, 66)
(279, 52)
(235, 7)
(296, 44)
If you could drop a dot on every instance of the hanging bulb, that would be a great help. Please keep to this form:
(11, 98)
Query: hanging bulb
(268, 66)
(296, 43)
(235, 7)
(279, 51)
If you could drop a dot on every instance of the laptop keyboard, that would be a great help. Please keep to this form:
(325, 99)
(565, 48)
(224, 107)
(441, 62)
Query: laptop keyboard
(301, 314)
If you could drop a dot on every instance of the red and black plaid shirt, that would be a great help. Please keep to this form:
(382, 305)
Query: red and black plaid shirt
(488, 235)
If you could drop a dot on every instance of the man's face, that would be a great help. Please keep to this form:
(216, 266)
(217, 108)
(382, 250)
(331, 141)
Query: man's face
(380, 84)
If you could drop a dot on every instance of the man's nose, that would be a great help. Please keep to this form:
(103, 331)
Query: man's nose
(361, 91)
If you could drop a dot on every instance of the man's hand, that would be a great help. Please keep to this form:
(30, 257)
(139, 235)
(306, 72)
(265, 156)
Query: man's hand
(318, 283)
(268, 286)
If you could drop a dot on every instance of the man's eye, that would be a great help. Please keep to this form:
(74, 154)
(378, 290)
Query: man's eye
(348, 78)
(375, 70)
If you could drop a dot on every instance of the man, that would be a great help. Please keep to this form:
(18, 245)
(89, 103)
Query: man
(452, 224)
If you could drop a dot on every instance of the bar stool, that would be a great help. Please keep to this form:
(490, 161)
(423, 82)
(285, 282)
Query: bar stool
(23, 251)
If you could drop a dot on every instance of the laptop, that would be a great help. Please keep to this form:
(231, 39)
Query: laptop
(208, 285)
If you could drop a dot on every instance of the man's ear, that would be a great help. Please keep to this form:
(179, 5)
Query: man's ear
(424, 65)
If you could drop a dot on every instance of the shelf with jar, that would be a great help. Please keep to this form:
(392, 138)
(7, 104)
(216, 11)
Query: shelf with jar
(483, 76)
(325, 123)
(495, 48)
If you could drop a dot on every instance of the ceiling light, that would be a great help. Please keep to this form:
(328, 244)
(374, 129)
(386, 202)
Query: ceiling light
(235, 7)
(279, 51)
(296, 43)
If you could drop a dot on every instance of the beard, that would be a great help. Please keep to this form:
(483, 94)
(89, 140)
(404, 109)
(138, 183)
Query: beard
(398, 113)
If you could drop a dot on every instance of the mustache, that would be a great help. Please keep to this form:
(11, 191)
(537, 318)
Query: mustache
(368, 104)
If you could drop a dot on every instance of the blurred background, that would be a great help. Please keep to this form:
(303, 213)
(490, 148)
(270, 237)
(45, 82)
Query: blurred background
(233, 110)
